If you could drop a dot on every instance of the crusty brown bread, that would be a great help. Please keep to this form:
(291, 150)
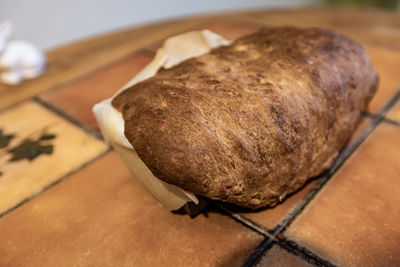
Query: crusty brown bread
(251, 122)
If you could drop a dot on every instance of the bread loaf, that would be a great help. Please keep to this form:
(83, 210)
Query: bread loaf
(251, 122)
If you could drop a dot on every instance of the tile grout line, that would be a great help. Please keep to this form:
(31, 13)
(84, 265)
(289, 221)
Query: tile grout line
(92, 72)
(386, 120)
(392, 122)
(281, 227)
(57, 181)
(289, 246)
(346, 153)
(303, 253)
(292, 215)
(49, 107)
(247, 222)
(310, 257)
(269, 240)
(76, 79)
(61, 113)
(255, 257)
(14, 105)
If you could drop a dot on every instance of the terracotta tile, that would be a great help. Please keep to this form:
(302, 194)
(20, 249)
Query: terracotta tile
(101, 216)
(394, 113)
(387, 63)
(78, 98)
(277, 256)
(23, 178)
(354, 220)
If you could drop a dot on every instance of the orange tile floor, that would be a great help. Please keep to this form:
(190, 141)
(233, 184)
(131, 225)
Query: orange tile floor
(66, 199)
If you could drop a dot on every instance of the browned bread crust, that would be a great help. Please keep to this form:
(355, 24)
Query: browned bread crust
(251, 122)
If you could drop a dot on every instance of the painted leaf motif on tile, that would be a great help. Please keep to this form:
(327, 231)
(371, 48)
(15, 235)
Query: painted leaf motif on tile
(30, 149)
(5, 139)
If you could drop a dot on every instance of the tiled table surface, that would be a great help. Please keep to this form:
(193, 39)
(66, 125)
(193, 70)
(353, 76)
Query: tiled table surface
(67, 200)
